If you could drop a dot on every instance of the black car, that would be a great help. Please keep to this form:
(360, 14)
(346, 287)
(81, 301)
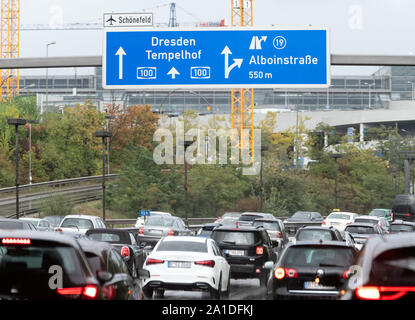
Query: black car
(314, 269)
(301, 219)
(402, 226)
(247, 218)
(106, 260)
(384, 269)
(363, 231)
(318, 233)
(275, 229)
(246, 249)
(125, 243)
(404, 207)
(38, 265)
(14, 224)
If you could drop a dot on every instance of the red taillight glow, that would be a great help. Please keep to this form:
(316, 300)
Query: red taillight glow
(346, 274)
(324, 222)
(109, 291)
(89, 291)
(377, 293)
(125, 251)
(281, 273)
(16, 241)
(141, 230)
(58, 230)
(171, 232)
(207, 263)
(154, 261)
(259, 250)
(279, 234)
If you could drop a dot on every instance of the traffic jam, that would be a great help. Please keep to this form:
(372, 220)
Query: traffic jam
(344, 256)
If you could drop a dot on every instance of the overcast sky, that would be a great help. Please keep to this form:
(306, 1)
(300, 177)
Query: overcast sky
(356, 26)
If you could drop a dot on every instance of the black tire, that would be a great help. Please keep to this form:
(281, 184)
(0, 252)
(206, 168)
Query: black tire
(263, 279)
(160, 293)
(148, 292)
(216, 294)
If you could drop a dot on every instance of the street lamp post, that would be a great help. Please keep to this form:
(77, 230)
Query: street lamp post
(108, 118)
(336, 156)
(104, 135)
(47, 73)
(30, 147)
(263, 149)
(370, 93)
(412, 89)
(16, 123)
(186, 145)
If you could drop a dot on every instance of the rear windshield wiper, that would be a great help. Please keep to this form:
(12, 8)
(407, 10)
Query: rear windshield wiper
(229, 242)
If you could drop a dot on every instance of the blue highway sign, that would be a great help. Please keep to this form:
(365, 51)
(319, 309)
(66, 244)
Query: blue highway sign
(216, 58)
(144, 213)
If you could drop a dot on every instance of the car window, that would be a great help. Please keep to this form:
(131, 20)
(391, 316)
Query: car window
(302, 215)
(272, 226)
(191, 246)
(78, 222)
(318, 234)
(340, 216)
(121, 263)
(105, 237)
(361, 229)
(395, 228)
(159, 221)
(248, 217)
(318, 256)
(115, 263)
(373, 221)
(394, 267)
(235, 237)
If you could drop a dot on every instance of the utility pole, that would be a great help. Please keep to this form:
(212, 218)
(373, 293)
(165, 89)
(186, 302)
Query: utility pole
(263, 149)
(104, 135)
(336, 156)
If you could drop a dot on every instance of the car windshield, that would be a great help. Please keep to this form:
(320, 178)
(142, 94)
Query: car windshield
(396, 228)
(235, 237)
(377, 213)
(373, 221)
(248, 217)
(360, 230)
(318, 256)
(54, 221)
(77, 222)
(317, 234)
(301, 215)
(394, 267)
(159, 221)
(270, 226)
(228, 221)
(32, 221)
(340, 216)
(10, 225)
(105, 237)
(190, 246)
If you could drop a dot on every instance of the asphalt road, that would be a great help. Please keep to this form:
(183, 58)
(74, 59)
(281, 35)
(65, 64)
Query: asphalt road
(248, 289)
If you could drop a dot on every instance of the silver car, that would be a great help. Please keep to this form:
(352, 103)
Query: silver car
(40, 224)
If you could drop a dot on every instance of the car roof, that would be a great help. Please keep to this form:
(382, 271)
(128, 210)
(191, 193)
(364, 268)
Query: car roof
(119, 231)
(343, 212)
(39, 235)
(361, 224)
(268, 220)
(377, 244)
(80, 216)
(370, 217)
(409, 223)
(185, 239)
(160, 213)
(31, 219)
(14, 220)
(240, 228)
(316, 228)
(321, 242)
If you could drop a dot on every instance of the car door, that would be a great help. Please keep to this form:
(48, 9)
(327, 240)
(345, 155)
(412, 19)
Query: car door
(220, 260)
(120, 281)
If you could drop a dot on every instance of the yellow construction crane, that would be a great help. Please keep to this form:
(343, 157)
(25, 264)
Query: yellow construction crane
(10, 46)
(243, 99)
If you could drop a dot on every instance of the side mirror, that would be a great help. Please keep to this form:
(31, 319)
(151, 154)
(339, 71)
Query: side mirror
(143, 274)
(104, 276)
(269, 265)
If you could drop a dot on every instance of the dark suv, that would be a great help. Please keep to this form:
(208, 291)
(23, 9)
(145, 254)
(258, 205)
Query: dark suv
(246, 249)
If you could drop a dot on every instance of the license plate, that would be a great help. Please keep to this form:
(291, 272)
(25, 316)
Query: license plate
(179, 264)
(314, 285)
(235, 252)
(155, 231)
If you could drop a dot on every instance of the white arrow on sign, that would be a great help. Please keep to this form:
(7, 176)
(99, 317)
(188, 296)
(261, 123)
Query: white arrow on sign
(237, 62)
(121, 53)
(173, 73)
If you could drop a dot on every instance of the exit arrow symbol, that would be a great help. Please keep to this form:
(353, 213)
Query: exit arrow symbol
(237, 62)
(173, 73)
(120, 53)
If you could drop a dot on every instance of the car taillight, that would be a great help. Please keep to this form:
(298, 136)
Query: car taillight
(125, 251)
(16, 241)
(90, 291)
(279, 273)
(392, 216)
(408, 214)
(259, 250)
(346, 274)
(141, 230)
(378, 293)
(324, 222)
(171, 232)
(279, 234)
(58, 230)
(109, 291)
(154, 261)
(207, 263)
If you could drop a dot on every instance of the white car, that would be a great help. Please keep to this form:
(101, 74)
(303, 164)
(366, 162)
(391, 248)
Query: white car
(187, 263)
(339, 220)
(40, 224)
(78, 225)
(142, 220)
